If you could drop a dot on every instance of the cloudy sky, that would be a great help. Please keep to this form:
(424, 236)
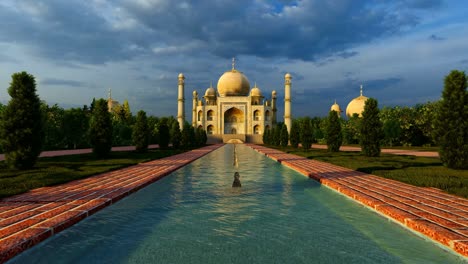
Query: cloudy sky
(400, 50)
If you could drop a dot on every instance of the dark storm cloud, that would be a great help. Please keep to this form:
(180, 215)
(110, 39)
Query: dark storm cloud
(435, 37)
(382, 83)
(347, 54)
(306, 30)
(60, 82)
(64, 30)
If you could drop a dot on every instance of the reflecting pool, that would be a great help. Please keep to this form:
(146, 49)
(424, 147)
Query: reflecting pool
(277, 215)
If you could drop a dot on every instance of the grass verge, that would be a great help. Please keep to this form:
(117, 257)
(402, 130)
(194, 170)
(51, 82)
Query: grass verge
(62, 169)
(418, 171)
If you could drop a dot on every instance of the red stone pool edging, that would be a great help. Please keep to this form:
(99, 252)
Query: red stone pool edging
(29, 218)
(428, 211)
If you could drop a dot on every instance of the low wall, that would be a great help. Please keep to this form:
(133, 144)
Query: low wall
(249, 138)
(214, 139)
(254, 138)
(228, 137)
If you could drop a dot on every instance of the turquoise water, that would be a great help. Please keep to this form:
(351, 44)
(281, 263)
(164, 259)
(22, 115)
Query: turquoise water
(195, 216)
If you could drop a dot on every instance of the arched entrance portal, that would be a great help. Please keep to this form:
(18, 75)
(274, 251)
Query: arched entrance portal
(234, 121)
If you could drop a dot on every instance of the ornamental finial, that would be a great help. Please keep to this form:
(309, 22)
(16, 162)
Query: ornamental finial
(233, 63)
(361, 89)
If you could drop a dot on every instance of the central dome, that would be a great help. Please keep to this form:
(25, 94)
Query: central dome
(233, 83)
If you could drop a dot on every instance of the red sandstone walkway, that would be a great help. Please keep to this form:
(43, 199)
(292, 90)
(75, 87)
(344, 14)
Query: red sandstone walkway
(389, 151)
(30, 218)
(54, 153)
(428, 211)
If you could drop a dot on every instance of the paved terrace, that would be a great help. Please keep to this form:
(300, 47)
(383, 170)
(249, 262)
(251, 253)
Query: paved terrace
(428, 211)
(30, 218)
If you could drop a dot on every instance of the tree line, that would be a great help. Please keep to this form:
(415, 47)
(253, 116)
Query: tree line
(442, 123)
(29, 126)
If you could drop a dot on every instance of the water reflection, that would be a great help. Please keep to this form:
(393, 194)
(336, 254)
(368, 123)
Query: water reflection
(236, 161)
(236, 183)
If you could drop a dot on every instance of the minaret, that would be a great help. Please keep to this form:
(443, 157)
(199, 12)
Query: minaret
(194, 109)
(180, 102)
(273, 107)
(287, 101)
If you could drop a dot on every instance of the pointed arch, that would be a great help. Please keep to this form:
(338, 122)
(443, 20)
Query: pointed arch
(200, 115)
(256, 115)
(256, 129)
(209, 129)
(210, 115)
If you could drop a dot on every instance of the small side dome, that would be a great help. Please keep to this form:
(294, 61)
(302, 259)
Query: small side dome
(181, 75)
(255, 91)
(195, 94)
(210, 92)
(274, 92)
(335, 107)
(287, 76)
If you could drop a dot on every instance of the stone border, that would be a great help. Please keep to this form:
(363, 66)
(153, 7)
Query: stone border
(427, 211)
(30, 218)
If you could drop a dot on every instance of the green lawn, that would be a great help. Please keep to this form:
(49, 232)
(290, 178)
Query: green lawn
(57, 170)
(419, 171)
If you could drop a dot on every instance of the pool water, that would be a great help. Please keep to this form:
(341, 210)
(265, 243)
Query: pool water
(277, 216)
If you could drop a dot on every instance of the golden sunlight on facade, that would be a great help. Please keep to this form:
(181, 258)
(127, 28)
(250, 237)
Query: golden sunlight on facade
(234, 111)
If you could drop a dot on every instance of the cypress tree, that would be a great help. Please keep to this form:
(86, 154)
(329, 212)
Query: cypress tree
(334, 136)
(204, 137)
(1, 116)
(306, 134)
(176, 135)
(188, 136)
(266, 136)
(21, 129)
(284, 136)
(127, 114)
(294, 137)
(276, 135)
(451, 124)
(200, 137)
(163, 132)
(140, 134)
(100, 129)
(371, 129)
